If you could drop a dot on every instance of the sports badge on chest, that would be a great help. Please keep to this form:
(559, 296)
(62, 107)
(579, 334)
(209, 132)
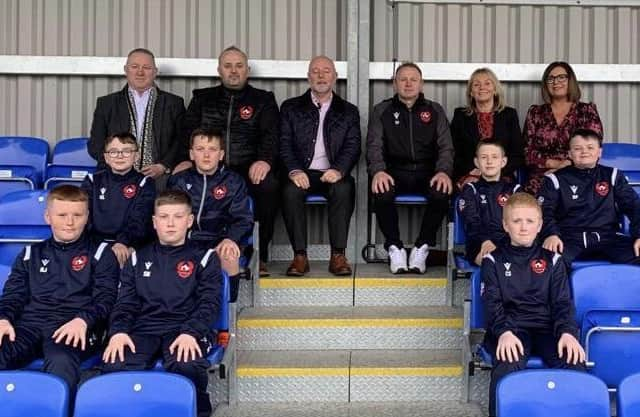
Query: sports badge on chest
(538, 266)
(219, 192)
(425, 116)
(129, 191)
(79, 262)
(147, 269)
(602, 188)
(102, 193)
(184, 269)
(246, 112)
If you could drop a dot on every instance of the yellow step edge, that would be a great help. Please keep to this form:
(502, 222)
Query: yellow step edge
(364, 322)
(431, 371)
(275, 283)
(401, 282)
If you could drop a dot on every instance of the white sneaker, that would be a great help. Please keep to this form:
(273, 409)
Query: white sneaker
(418, 259)
(397, 260)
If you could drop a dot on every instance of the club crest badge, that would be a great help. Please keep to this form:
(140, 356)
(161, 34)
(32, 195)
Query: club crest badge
(602, 188)
(425, 116)
(538, 266)
(184, 269)
(79, 262)
(246, 112)
(219, 192)
(129, 191)
(502, 199)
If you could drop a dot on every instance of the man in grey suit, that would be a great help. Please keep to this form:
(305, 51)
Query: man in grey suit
(153, 116)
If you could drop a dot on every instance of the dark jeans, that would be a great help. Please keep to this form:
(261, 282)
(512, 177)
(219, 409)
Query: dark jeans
(266, 197)
(150, 347)
(536, 342)
(410, 182)
(341, 201)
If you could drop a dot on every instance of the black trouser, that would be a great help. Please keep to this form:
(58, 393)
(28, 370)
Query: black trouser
(413, 182)
(536, 342)
(150, 348)
(266, 196)
(613, 247)
(341, 201)
(33, 342)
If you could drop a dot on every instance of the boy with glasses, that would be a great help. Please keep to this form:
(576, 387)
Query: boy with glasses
(120, 198)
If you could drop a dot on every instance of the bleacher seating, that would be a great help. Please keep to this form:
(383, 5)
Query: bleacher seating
(457, 248)
(140, 394)
(23, 161)
(608, 314)
(24, 393)
(628, 397)
(547, 392)
(22, 216)
(70, 163)
(624, 156)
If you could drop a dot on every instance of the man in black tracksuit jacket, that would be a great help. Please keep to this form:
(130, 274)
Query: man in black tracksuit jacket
(59, 293)
(248, 117)
(409, 150)
(169, 298)
(527, 299)
(583, 206)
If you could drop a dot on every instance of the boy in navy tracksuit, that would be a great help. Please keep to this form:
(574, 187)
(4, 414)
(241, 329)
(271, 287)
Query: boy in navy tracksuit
(583, 203)
(120, 198)
(481, 202)
(169, 298)
(527, 299)
(59, 293)
(221, 204)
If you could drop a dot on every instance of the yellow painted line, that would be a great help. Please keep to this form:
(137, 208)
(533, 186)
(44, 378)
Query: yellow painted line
(401, 282)
(443, 371)
(243, 372)
(306, 283)
(365, 322)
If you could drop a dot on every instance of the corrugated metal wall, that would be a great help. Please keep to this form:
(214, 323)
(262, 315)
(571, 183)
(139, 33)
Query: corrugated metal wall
(62, 106)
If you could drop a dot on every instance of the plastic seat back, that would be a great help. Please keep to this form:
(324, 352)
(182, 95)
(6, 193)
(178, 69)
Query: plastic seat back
(25, 151)
(73, 152)
(547, 392)
(22, 215)
(628, 396)
(625, 157)
(24, 393)
(140, 394)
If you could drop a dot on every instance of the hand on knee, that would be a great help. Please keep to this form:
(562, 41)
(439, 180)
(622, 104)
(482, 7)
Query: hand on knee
(509, 348)
(186, 348)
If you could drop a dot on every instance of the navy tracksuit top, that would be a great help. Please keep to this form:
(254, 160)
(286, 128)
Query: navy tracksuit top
(587, 200)
(221, 204)
(169, 289)
(480, 206)
(528, 288)
(52, 282)
(121, 206)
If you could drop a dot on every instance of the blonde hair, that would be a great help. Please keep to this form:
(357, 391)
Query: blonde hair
(520, 200)
(498, 95)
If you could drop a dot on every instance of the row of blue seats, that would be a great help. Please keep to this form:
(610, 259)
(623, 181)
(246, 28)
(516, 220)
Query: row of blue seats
(140, 394)
(24, 163)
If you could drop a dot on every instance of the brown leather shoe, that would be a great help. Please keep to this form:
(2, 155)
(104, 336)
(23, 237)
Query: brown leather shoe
(299, 266)
(338, 265)
(264, 272)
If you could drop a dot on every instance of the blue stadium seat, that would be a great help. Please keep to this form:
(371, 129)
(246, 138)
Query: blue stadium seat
(368, 251)
(315, 199)
(70, 163)
(20, 153)
(538, 393)
(624, 156)
(139, 394)
(585, 263)
(628, 397)
(22, 216)
(608, 314)
(459, 240)
(24, 393)
(9, 250)
(16, 178)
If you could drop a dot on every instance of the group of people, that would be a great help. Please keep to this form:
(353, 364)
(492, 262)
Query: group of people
(138, 250)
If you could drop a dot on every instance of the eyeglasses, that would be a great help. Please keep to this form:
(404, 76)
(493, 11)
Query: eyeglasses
(136, 67)
(560, 78)
(125, 152)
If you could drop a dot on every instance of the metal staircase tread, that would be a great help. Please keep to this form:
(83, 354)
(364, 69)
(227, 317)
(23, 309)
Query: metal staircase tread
(357, 312)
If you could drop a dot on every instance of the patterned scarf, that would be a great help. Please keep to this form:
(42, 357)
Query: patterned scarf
(144, 138)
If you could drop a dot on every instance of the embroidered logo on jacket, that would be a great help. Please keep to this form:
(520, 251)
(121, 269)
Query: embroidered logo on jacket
(219, 192)
(147, 269)
(602, 188)
(246, 112)
(396, 116)
(483, 199)
(461, 204)
(102, 191)
(574, 191)
(129, 191)
(184, 269)
(507, 269)
(538, 266)
(45, 262)
(79, 262)
(502, 199)
(425, 116)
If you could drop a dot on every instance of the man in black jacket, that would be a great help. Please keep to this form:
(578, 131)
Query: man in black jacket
(249, 119)
(409, 150)
(319, 145)
(59, 293)
(153, 116)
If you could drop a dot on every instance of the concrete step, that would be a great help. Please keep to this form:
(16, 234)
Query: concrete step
(377, 409)
(342, 375)
(370, 285)
(319, 328)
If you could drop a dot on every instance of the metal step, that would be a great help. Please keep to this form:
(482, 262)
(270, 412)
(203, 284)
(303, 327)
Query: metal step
(377, 409)
(334, 328)
(356, 376)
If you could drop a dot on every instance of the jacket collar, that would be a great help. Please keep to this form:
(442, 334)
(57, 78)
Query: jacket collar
(419, 101)
(337, 103)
